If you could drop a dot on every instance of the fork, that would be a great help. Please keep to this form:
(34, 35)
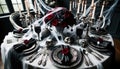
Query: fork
(86, 53)
(35, 57)
(86, 62)
(45, 61)
(92, 51)
(40, 62)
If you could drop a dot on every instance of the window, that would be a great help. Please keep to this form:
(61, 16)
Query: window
(17, 4)
(3, 7)
(10, 6)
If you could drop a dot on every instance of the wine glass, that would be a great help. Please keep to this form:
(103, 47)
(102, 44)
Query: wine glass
(38, 30)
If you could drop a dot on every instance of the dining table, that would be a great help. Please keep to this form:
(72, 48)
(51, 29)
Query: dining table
(40, 57)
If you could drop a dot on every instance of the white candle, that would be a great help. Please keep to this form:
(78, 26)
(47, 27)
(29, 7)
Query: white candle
(28, 4)
(70, 6)
(19, 8)
(73, 4)
(102, 9)
(93, 13)
(85, 9)
(35, 6)
(38, 9)
(82, 6)
(92, 3)
(46, 1)
(27, 7)
(78, 8)
(20, 11)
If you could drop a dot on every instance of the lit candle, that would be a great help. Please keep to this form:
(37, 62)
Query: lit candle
(73, 4)
(20, 11)
(19, 8)
(93, 13)
(38, 10)
(46, 1)
(102, 9)
(70, 6)
(78, 8)
(35, 6)
(92, 3)
(82, 6)
(27, 7)
(85, 9)
(28, 4)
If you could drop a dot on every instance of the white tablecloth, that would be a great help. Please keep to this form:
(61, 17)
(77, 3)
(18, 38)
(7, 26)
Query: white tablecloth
(10, 40)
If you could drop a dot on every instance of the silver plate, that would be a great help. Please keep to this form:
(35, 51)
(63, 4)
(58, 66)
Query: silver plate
(75, 61)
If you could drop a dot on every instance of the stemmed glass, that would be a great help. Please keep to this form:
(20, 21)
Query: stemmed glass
(38, 30)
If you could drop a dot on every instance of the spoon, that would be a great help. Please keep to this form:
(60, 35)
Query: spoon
(93, 53)
(45, 61)
(39, 63)
(86, 62)
(86, 53)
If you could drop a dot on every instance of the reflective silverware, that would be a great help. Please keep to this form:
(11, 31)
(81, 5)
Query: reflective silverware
(86, 62)
(101, 56)
(35, 57)
(45, 61)
(94, 54)
(105, 37)
(28, 58)
(86, 53)
(39, 63)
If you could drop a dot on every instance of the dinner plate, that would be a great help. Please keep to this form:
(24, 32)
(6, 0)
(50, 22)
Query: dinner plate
(56, 57)
(100, 47)
(101, 31)
(30, 50)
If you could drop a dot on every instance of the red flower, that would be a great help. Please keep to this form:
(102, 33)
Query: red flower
(26, 41)
(65, 51)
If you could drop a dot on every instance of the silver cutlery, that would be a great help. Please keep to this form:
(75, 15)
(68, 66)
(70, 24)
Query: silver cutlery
(45, 61)
(86, 62)
(91, 50)
(35, 57)
(105, 37)
(28, 58)
(40, 62)
(94, 54)
(86, 53)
